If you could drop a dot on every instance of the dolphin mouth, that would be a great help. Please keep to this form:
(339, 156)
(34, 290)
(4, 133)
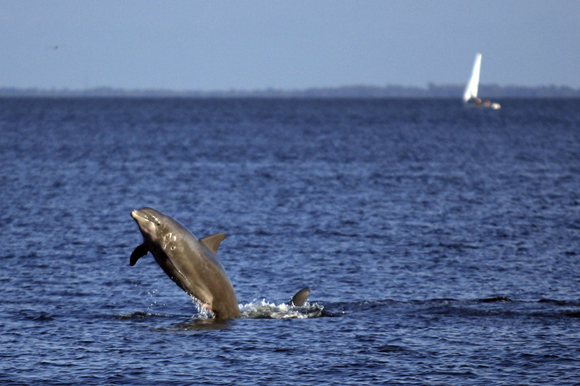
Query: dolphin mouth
(135, 214)
(141, 215)
(140, 218)
(146, 222)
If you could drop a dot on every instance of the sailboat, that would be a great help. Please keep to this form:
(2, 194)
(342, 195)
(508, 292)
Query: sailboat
(470, 98)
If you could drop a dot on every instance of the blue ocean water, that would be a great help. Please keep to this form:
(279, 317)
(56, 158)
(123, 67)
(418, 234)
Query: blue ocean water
(441, 244)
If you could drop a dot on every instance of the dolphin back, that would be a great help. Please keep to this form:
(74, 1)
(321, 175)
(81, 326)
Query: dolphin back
(300, 298)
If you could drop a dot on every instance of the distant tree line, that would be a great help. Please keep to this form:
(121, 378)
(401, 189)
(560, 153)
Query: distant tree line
(392, 91)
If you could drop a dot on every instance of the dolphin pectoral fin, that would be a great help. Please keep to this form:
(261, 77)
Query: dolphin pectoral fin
(213, 241)
(139, 252)
(300, 298)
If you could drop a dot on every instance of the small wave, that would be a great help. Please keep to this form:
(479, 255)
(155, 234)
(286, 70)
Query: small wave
(266, 310)
(495, 299)
(138, 315)
(196, 323)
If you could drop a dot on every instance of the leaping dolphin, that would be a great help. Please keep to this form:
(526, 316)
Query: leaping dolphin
(191, 263)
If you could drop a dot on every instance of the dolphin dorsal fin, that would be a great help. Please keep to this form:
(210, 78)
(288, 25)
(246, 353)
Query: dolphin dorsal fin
(300, 298)
(213, 241)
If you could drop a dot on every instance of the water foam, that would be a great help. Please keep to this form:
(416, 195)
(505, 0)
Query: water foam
(262, 309)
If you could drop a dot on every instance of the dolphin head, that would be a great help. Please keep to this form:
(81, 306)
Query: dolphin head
(150, 223)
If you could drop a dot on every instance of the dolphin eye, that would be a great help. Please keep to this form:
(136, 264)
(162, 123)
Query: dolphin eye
(153, 219)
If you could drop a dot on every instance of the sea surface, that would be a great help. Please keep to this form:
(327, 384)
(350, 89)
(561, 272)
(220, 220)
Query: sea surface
(441, 244)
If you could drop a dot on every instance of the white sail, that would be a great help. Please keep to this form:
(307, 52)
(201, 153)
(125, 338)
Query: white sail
(472, 86)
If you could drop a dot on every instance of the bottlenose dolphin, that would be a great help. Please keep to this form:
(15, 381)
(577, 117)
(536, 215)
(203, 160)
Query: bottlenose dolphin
(191, 263)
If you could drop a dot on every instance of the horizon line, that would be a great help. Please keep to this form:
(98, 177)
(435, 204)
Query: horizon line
(352, 91)
(428, 86)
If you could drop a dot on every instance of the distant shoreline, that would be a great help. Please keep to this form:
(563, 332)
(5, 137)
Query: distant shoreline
(431, 91)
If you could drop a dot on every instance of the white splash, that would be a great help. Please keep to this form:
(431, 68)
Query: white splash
(202, 312)
(263, 309)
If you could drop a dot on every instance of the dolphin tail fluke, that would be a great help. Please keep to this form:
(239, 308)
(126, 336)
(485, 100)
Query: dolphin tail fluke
(300, 298)
(139, 252)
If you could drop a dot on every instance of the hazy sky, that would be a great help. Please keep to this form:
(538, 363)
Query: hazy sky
(221, 45)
